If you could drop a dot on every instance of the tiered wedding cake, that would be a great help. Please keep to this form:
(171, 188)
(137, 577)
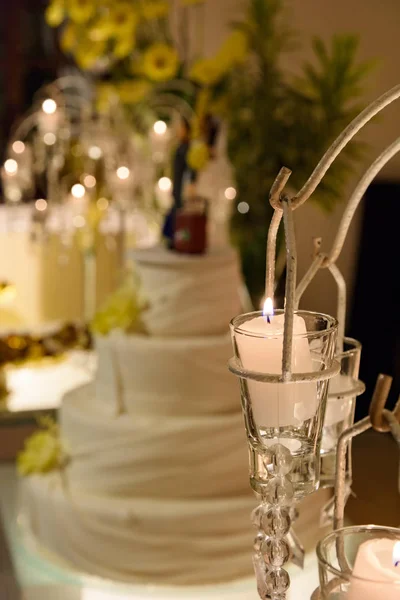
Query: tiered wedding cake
(155, 486)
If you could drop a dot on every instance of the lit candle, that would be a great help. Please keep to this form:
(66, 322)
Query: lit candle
(378, 564)
(159, 138)
(277, 404)
(48, 118)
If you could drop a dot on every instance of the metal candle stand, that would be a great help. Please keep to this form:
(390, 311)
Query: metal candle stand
(273, 520)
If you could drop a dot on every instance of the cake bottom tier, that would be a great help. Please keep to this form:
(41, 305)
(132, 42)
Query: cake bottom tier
(169, 542)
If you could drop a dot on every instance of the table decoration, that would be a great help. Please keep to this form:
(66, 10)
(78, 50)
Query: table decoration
(277, 354)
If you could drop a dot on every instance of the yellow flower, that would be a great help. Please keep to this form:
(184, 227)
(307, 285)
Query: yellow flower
(69, 37)
(124, 46)
(133, 91)
(123, 18)
(42, 453)
(198, 155)
(206, 71)
(121, 311)
(55, 13)
(80, 11)
(88, 53)
(234, 50)
(119, 23)
(160, 62)
(156, 9)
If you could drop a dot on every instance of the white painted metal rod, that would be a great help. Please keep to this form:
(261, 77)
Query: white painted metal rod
(341, 305)
(271, 253)
(290, 290)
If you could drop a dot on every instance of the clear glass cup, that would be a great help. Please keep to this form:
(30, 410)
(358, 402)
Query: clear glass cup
(291, 413)
(339, 415)
(359, 563)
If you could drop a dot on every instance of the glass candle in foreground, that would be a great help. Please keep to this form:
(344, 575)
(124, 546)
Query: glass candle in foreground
(360, 563)
(283, 421)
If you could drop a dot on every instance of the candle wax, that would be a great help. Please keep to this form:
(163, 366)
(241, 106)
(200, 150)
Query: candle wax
(374, 562)
(277, 404)
(338, 408)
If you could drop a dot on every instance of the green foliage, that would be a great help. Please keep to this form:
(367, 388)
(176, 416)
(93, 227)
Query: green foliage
(276, 120)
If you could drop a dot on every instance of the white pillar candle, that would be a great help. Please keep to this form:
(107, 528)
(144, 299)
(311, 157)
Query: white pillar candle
(260, 349)
(376, 562)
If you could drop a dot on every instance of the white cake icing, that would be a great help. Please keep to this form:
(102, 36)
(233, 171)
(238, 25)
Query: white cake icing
(189, 295)
(156, 487)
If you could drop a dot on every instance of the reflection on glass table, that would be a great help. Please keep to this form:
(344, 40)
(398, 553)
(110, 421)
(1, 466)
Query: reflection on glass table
(42, 578)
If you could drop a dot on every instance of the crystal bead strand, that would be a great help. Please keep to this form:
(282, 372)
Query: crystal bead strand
(272, 519)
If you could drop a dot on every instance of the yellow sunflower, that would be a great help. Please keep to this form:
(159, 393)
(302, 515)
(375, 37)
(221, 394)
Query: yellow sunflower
(55, 13)
(88, 53)
(119, 22)
(160, 62)
(124, 18)
(80, 11)
(157, 9)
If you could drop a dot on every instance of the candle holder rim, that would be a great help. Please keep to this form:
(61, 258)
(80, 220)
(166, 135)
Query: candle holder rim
(356, 529)
(357, 346)
(357, 389)
(327, 373)
(235, 326)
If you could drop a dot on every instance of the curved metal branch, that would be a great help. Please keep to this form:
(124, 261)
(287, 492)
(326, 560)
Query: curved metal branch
(356, 197)
(344, 138)
(308, 277)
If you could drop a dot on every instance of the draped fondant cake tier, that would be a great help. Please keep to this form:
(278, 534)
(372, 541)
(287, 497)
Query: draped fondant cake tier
(189, 295)
(155, 488)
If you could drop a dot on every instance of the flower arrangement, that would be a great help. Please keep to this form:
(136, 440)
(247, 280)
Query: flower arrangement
(272, 118)
(43, 451)
(129, 44)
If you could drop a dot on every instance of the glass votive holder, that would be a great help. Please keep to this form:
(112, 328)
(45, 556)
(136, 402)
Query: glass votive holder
(339, 415)
(359, 563)
(288, 413)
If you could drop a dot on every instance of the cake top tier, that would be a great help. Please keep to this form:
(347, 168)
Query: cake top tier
(188, 295)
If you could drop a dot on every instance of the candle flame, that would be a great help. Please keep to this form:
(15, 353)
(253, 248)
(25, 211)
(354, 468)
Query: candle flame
(268, 310)
(396, 554)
